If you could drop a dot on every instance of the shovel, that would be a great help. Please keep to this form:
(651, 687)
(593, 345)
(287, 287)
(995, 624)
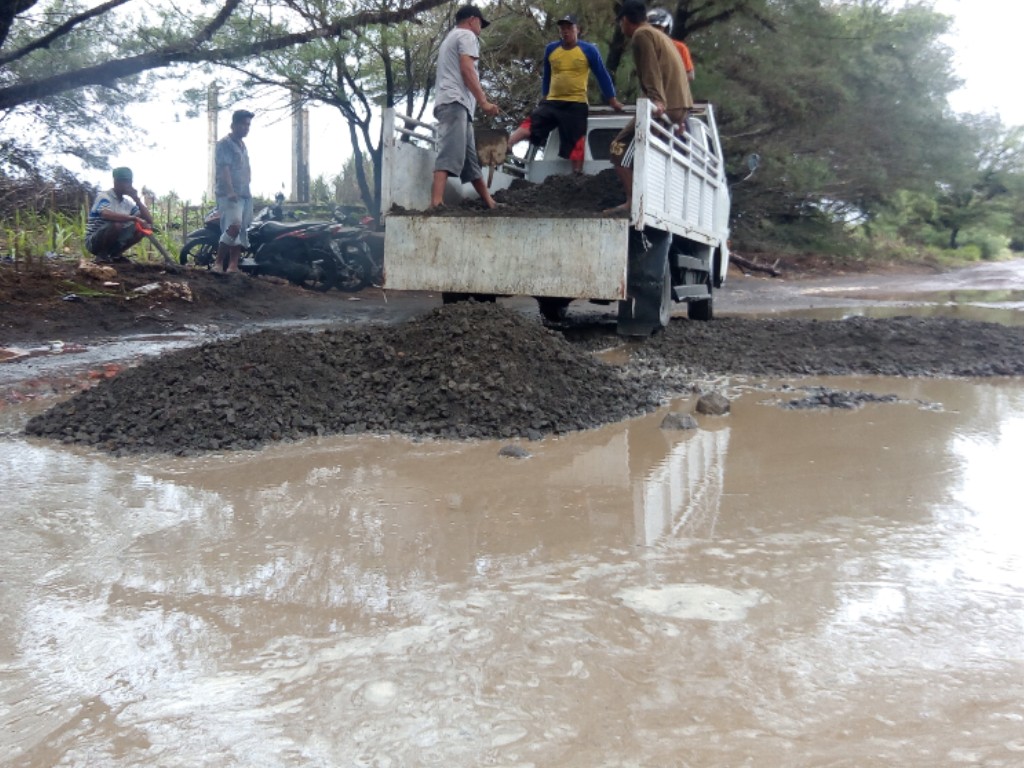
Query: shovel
(148, 234)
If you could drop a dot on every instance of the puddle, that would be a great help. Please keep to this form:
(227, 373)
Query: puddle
(1011, 314)
(775, 583)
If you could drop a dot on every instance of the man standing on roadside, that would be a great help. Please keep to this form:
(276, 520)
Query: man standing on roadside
(458, 93)
(564, 104)
(234, 198)
(662, 80)
(112, 227)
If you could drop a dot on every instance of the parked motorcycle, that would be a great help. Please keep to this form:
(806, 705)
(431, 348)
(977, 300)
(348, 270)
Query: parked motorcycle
(315, 254)
(357, 216)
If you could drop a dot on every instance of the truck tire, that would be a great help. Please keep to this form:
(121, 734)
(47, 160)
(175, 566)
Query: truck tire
(553, 308)
(649, 285)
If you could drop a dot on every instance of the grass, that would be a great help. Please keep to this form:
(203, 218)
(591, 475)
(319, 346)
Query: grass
(69, 286)
(29, 239)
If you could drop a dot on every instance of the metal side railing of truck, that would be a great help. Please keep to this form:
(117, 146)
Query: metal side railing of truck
(673, 247)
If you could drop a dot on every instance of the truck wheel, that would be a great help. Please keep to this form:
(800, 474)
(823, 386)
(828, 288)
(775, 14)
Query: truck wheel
(649, 285)
(701, 309)
(202, 253)
(552, 308)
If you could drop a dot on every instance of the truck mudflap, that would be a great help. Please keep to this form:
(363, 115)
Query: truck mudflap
(491, 254)
(648, 305)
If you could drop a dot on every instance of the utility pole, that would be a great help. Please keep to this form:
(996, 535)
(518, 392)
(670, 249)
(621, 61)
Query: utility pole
(212, 109)
(300, 151)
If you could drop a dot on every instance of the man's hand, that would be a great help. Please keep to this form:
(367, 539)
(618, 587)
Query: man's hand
(615, 104)
(490, 109)
(659, 108)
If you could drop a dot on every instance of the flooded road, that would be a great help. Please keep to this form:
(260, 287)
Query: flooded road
(778, 587)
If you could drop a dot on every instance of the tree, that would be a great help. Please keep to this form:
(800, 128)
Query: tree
(845, 102)
(978, 192)
(59, 59)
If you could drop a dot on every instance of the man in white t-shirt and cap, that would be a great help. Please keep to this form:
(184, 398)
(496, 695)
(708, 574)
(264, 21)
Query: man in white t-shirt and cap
(458, 93)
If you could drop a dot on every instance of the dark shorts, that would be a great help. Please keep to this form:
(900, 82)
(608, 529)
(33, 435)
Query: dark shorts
(569, 117)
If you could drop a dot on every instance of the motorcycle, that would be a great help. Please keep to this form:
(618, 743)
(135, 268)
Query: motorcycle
(315, 254)
(356, 216)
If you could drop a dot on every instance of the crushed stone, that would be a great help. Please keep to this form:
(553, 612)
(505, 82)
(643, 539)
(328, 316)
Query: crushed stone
(462, 371)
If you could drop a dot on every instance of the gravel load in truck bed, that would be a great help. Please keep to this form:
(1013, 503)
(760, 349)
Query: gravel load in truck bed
(562, 196)
(462, 371)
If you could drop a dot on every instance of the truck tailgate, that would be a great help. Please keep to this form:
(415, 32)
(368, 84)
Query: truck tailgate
(580, 258)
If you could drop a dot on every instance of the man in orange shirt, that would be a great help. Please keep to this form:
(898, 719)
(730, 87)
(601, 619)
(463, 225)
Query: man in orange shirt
(662, 81)
(662, 19)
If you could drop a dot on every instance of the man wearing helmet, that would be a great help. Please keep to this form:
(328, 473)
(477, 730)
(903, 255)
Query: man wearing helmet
(662, 80)
(662, 19)
(567, 64)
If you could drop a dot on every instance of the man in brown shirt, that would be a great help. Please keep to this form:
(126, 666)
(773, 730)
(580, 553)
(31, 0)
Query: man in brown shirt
(662, 80)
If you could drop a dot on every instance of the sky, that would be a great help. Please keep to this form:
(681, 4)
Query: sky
(984, 32)
(176, 161)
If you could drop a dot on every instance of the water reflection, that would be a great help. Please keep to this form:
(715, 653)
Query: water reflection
(775, 581)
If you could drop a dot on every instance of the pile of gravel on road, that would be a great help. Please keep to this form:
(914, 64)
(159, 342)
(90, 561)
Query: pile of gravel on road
(901, 346)
(463, 371)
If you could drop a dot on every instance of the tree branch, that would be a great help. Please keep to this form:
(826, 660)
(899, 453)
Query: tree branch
(8, 12)
(60, 31)
(190, 52)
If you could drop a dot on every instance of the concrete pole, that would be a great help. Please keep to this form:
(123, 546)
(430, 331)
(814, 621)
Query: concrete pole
(212, 110)
(300, 151)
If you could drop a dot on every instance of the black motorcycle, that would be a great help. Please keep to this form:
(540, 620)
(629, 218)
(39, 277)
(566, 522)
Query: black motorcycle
(315, 254)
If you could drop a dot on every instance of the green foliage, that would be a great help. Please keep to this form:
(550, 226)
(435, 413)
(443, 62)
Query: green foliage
(72, 123)
(845, 101)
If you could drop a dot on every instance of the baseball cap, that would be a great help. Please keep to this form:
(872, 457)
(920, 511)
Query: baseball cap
(569, 18)
(122, 174)
(468, 12)
(632, 9)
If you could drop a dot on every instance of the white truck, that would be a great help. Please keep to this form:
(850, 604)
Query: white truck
(673, 246)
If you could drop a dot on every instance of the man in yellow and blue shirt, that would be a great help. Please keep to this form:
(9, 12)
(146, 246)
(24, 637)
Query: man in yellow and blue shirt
(568, 63)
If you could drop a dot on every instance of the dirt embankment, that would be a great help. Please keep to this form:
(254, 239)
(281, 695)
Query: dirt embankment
(58, 300)
(473, 370)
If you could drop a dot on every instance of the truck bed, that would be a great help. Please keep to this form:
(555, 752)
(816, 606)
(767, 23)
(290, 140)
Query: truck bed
(677, 190)
(515, 256)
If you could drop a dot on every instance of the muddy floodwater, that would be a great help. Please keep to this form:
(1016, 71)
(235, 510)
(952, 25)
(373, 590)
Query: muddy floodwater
(778, 587)
(781, 586)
